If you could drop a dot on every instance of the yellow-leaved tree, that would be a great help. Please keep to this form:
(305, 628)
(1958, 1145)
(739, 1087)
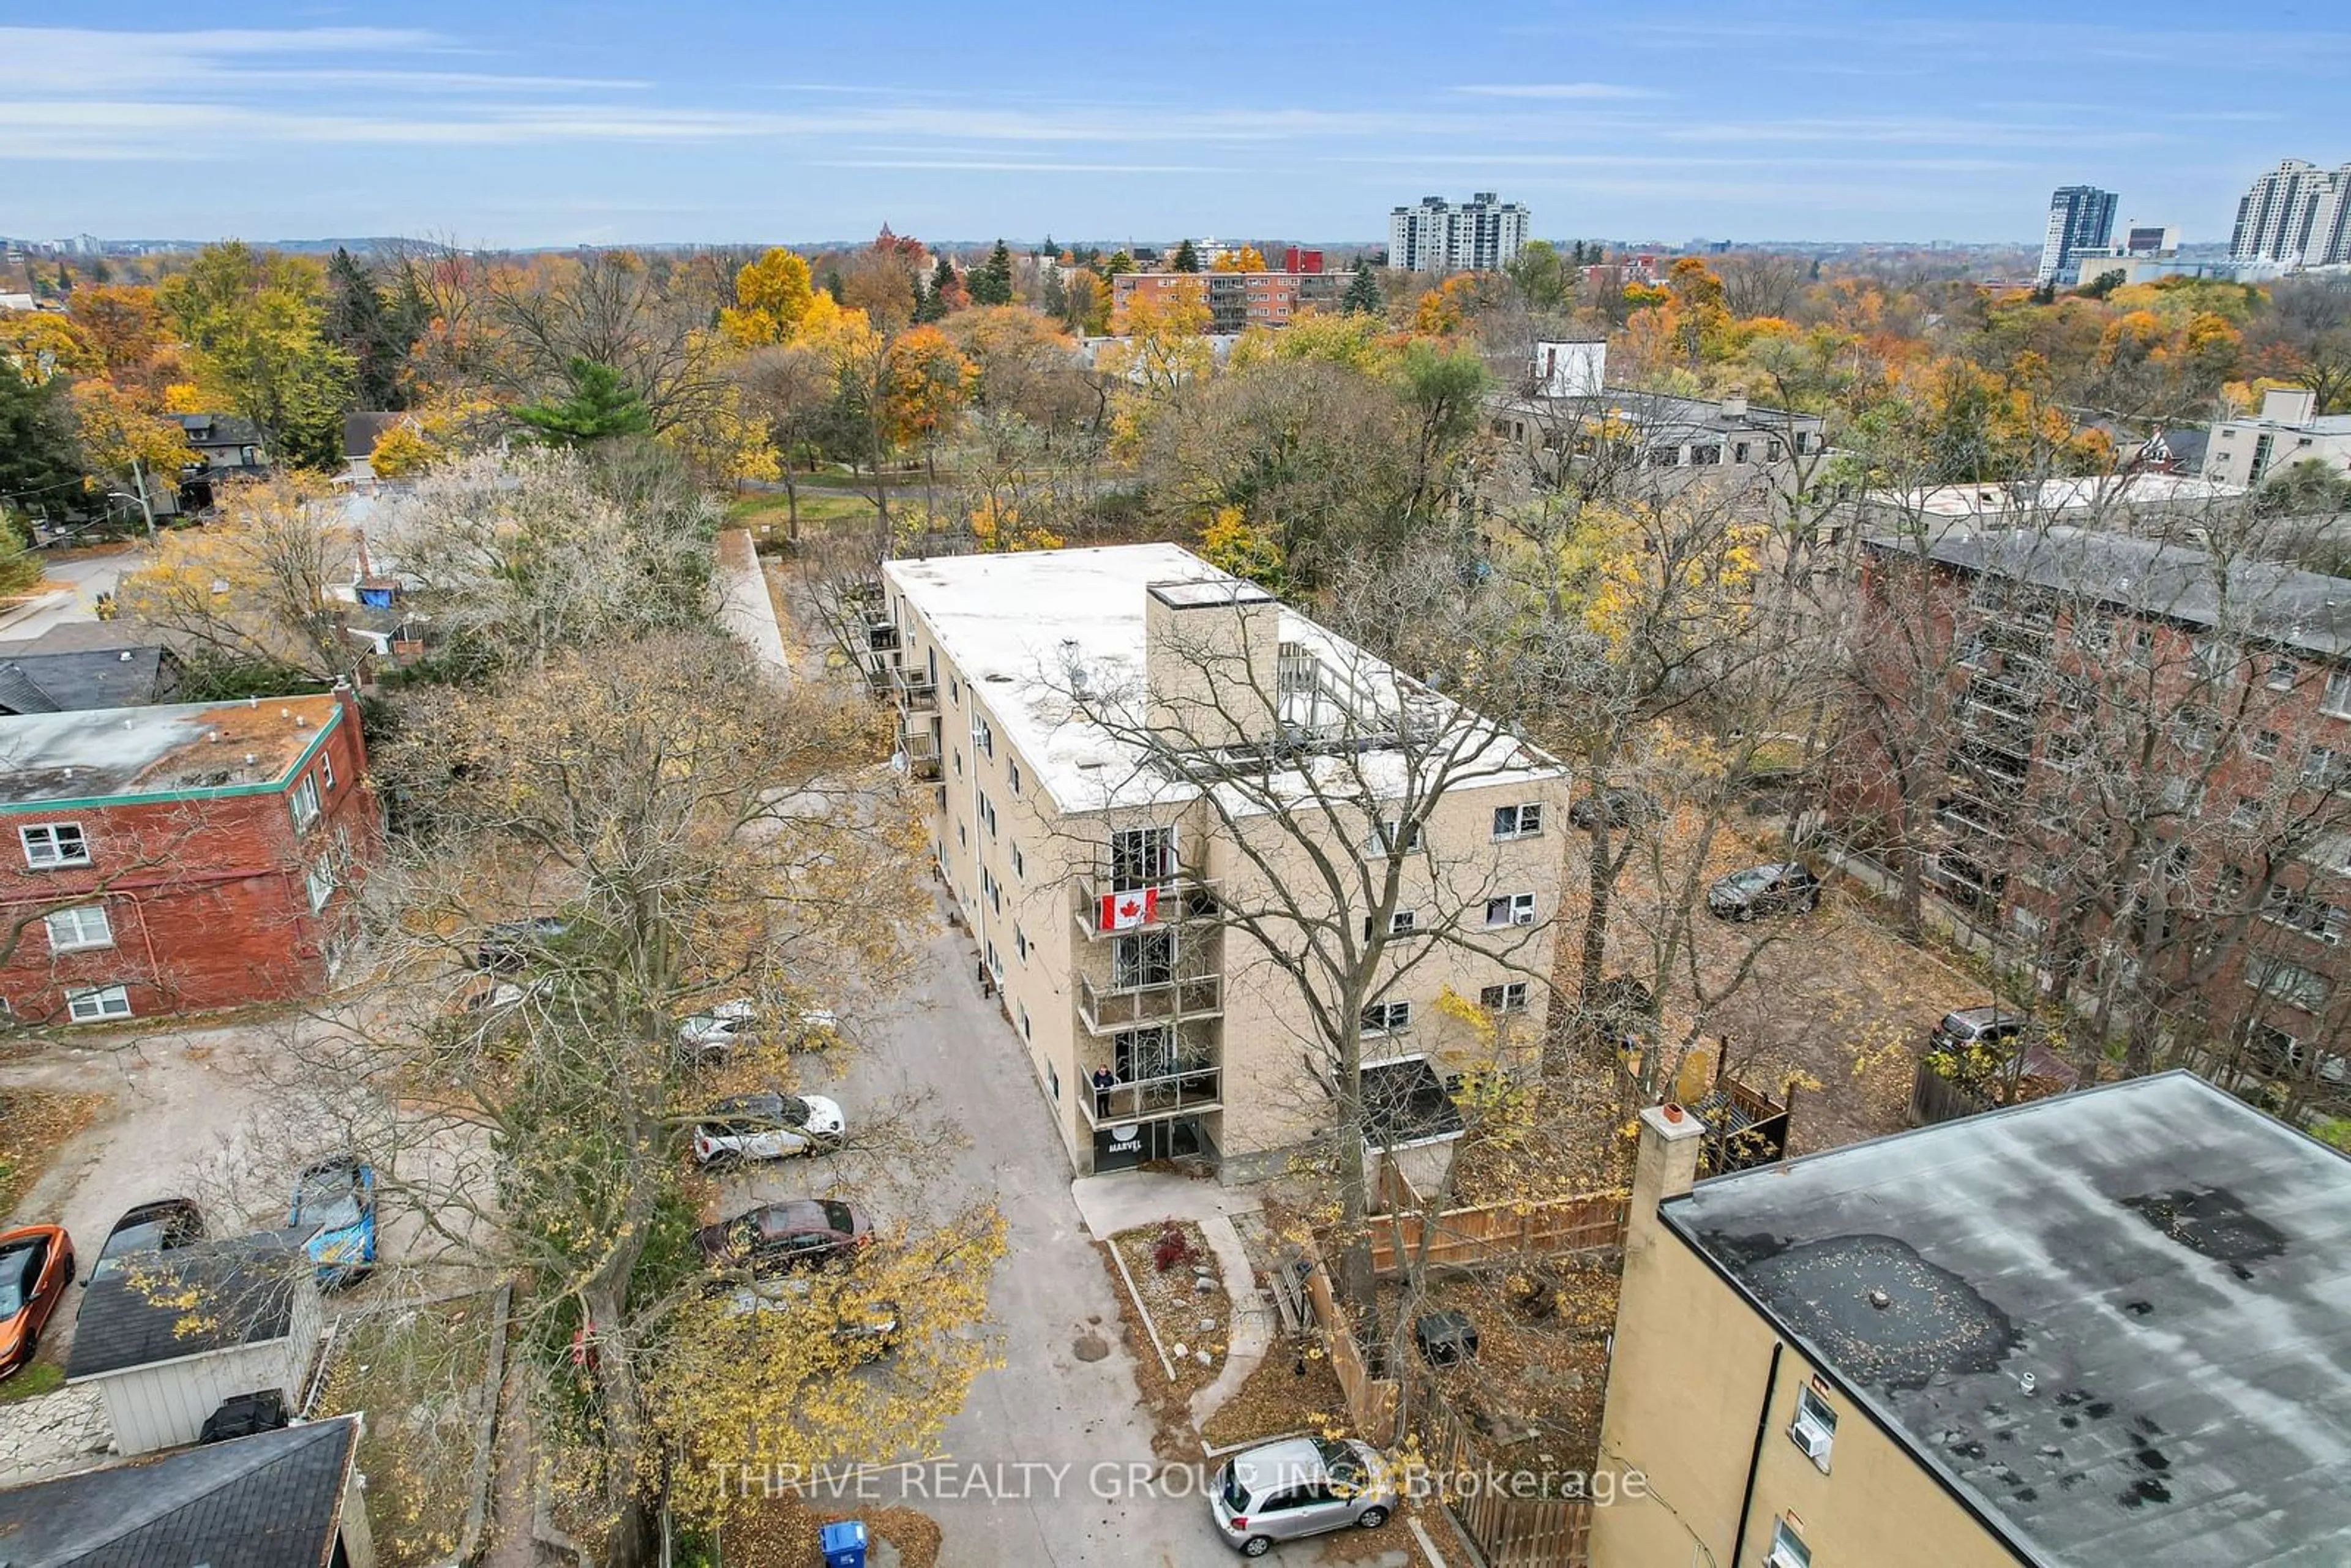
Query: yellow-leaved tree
(771, 296)
(124, 442)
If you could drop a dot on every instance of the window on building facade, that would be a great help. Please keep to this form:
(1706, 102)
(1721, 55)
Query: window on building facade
(1401, 922)
(1518, 821)
(1509, 997)
(1019, 866)
(2322, 768)
(1142, 958)
(1025, 1035)
(1510, 909)
(995, 962)
(2262, 745)
(54, 844)
(1787, 1548)
(2288, 982)
(90, 1005)
(2282, 675)
(1012, 773)
(2337, 700)
(1020, 943)
(983, 737)
(2297, 910)
(1387, 1017)
(1391, 838)
(1814, 1428)
(88, 926)
(1141, 857)
(302, 801)
(320, 885)
(326, 770)
(2247, 812)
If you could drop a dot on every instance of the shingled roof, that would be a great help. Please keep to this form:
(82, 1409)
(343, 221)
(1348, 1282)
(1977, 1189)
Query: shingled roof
(170, 1305)
(274, 1501)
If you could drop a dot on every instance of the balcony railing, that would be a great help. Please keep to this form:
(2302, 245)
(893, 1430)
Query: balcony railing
(916, 691)
(922, 749)
(1182, 1092)
(1108, 1006)
(1179, 896)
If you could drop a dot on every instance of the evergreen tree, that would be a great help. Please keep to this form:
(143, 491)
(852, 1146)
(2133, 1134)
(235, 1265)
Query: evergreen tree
(1057, 293)
(38, 470)
(991, 281)
(1048, 249)
(598, 407)
(1362, 296)
(1187, 259)
(360, 321)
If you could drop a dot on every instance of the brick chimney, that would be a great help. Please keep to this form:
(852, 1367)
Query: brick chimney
(1664, 1166)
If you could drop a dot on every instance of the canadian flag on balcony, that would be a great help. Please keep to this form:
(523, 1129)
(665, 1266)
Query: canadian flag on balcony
(1125, 910)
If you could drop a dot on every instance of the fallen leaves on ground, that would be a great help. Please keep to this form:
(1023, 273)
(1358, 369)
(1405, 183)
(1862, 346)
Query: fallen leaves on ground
(783, 1532)
(34, 1126)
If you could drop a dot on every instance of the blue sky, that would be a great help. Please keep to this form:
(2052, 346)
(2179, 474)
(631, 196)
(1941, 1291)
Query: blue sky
(533, 123)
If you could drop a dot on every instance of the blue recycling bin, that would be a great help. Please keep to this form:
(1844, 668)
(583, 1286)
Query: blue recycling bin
(843, 1543)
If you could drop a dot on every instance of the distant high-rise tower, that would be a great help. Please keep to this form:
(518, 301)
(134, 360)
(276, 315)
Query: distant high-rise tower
(2297, 213)
(1476, 235)
(2080, 217)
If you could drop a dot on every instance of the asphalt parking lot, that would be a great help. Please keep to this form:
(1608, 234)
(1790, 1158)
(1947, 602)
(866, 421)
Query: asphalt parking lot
(1051, 1459)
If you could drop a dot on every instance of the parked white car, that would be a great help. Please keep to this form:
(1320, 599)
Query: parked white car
(769, 1126)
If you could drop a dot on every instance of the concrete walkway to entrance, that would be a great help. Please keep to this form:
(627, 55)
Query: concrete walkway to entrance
(1125, 1200)
(744, 607)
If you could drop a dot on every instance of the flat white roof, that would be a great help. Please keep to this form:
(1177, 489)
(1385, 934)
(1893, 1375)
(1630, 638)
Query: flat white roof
(2141, 487)
(1019, 625)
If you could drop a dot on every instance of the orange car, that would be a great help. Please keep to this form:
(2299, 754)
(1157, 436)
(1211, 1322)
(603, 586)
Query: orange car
(36, 1264)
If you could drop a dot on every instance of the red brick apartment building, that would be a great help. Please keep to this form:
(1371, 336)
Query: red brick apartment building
(171, 859)
(2130, 763)
(1237, 300)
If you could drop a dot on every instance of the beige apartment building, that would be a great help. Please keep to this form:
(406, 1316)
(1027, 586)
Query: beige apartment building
(1103, 731)
(2106, 1327)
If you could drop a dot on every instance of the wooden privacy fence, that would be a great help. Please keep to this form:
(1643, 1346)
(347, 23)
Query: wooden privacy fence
(1466, 1235)
(1371, 1401)
(1508, 1531)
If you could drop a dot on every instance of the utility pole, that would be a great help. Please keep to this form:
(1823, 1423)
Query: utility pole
(147, 507)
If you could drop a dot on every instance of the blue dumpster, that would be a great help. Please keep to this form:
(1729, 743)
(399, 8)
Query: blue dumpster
(843, 1543)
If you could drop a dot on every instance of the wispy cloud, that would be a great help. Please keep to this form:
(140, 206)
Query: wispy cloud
(1555, 89)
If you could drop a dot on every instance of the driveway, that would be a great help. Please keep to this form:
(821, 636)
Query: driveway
(188, 1114)
(1078, 1425)
(85, 575)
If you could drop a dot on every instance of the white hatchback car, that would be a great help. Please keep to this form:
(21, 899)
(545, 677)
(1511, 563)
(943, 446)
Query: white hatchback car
(1301, 1486)
(769, 1126)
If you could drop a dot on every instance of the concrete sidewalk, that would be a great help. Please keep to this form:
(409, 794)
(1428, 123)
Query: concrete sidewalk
(745, 608)
(1125, 1200)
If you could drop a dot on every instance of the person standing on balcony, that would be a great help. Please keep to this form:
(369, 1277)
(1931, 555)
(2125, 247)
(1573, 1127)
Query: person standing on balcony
(1104, 1081)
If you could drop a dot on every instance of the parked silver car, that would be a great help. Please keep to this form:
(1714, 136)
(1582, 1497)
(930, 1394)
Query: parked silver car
(1301, 1486)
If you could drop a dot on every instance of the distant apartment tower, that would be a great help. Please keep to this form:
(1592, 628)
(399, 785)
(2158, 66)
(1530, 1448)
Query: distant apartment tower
(2080, 217)
(1437, 235)
(2296, 213)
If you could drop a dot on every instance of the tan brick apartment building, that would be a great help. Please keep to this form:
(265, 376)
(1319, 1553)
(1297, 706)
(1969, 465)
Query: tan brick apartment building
(2111, 1327)
(1104, 888)
(160, 859)
(2130, 761)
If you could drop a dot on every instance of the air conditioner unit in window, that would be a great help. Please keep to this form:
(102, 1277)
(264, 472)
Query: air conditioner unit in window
(1813, 1442)
(1522, 917)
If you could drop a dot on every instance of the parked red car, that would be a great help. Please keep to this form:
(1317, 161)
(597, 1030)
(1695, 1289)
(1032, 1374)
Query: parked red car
(36, 1264)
